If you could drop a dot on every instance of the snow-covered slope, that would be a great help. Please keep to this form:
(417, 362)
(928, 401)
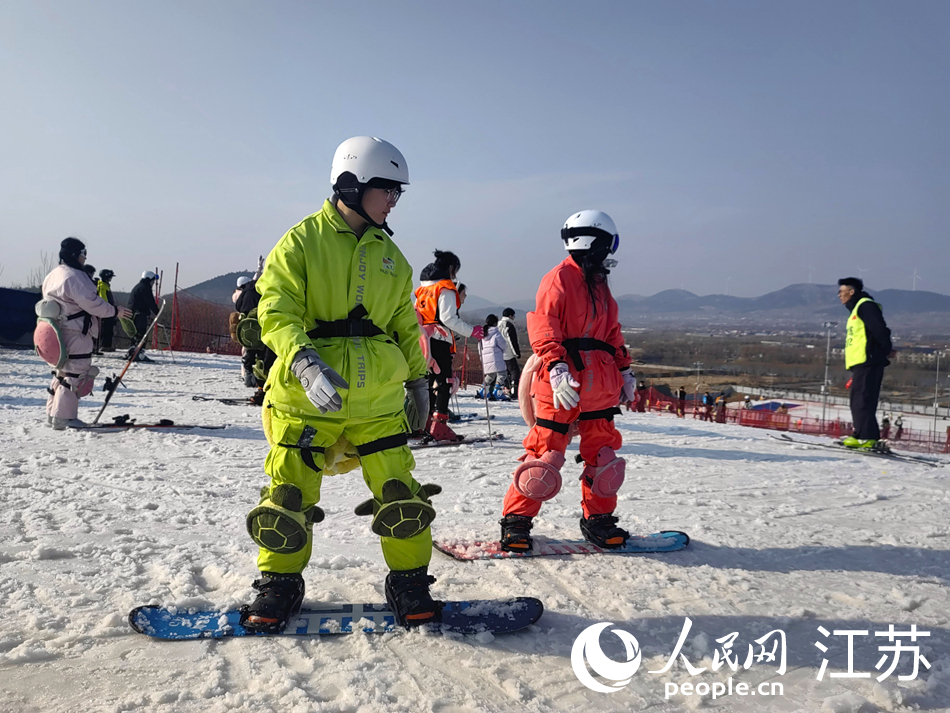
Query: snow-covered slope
(789, 538)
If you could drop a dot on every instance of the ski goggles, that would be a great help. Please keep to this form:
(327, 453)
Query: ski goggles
(612, 238)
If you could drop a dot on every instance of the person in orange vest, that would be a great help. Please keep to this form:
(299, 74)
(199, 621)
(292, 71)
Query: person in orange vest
(438, 302)
(585, 375)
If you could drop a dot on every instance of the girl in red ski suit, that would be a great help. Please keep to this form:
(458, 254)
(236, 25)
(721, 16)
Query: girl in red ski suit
(566, 329)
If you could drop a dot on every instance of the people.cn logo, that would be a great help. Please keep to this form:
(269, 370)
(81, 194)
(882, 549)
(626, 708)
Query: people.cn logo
(587, 656)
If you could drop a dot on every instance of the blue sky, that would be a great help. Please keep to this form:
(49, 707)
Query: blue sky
(739, 146)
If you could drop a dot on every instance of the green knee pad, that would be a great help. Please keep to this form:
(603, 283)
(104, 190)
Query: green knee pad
(400, 514)
(277, 524)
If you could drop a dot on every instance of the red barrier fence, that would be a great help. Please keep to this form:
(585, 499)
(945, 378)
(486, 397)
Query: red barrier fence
(200, 326)
(908, 440)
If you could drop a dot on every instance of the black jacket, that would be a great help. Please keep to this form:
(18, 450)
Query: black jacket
(511, 334)
(141, 299)
(879, 336)
(248, 299)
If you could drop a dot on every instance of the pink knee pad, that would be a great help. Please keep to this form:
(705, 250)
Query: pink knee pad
(606, 477)
(539, 478)
(85, 386)
(86, 382)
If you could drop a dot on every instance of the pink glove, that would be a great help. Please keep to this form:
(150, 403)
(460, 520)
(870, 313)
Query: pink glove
(478, 332)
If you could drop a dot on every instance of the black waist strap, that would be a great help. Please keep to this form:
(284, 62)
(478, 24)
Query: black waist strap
(575, 346)
(86, 320)
(355, 325)
(81, 356)
(607, 413)
(561, 428)
(383, 444)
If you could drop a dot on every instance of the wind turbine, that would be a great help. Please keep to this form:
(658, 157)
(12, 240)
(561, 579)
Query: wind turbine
(810, 270)
(862, 271)
(916, 277)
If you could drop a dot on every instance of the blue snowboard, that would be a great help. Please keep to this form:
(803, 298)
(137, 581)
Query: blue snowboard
(473, 617)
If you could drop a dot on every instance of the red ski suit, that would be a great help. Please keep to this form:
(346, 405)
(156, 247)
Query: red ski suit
(564, 312)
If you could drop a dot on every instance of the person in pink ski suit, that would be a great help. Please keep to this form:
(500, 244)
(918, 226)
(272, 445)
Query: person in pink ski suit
(81, 309)
(575, 332)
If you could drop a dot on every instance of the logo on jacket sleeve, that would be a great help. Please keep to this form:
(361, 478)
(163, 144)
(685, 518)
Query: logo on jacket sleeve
(389, 266)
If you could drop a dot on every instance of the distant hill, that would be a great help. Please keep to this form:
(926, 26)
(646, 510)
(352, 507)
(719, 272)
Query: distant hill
(801, 304)
(218, 289)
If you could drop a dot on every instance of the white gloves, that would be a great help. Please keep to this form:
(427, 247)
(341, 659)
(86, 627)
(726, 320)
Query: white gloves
(564, 387)
(318, 380)
(628, 392)
(417, 403)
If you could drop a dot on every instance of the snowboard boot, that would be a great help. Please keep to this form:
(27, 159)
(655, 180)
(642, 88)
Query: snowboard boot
(516, 533)
(279, 598)
(602, 530)
(407, 593)
(258, 398)
(439, 429)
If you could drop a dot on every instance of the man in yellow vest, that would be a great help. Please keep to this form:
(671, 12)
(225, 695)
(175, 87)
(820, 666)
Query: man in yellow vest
(866, 354)
(335, 308)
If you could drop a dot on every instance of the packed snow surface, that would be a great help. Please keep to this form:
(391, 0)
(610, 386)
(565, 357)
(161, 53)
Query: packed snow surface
(785, 538)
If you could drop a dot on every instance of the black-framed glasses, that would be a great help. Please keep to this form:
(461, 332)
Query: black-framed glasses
(393, 194)
(83, 252)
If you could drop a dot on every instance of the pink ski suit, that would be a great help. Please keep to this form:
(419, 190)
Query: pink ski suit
(76, 294)
(564, 328)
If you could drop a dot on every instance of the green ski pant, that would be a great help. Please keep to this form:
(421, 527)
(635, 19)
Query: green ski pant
(287, 465)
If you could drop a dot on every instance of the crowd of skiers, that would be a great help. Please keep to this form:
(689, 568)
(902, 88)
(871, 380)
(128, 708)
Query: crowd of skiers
(351, 361)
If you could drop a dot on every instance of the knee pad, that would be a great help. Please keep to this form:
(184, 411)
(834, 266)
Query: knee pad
(539, 478)
(605, 478)
(277, 524)
(86, 382)
(400, 514)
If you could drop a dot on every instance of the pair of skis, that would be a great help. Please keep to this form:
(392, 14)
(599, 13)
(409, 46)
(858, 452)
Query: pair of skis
(872, 452)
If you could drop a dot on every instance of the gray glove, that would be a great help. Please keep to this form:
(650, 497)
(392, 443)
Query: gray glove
(417, 403)
(318, 380)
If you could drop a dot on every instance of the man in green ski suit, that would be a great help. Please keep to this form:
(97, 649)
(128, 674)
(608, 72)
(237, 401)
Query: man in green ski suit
(336, 309)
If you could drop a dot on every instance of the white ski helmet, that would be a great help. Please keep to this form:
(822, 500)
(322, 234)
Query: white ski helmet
(149, 275)
(582, 229)
(358, 163)
(367, 157)
(243, 280)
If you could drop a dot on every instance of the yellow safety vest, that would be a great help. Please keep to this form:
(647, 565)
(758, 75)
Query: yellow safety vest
(856, 348)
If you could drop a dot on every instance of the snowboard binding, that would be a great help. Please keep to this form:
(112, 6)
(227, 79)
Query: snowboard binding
(602, 531)
(279, 598)
(516, 533)
(407, 593)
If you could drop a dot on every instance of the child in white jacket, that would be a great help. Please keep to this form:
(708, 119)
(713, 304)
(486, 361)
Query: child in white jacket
(492, 350)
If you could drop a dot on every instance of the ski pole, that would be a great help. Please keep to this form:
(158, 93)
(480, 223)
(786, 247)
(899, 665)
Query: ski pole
(169, 338)
(491, 438)
(112, 385)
